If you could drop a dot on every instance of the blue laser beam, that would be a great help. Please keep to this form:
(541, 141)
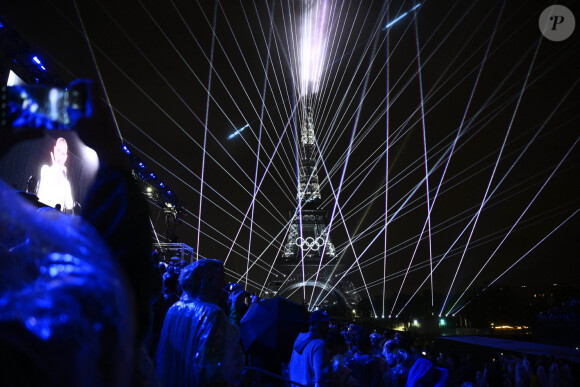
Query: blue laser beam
(234, 134)
(389, 24)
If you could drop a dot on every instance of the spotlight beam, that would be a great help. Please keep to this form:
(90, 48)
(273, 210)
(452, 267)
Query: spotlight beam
(456, 252)
(409, 195)
(523, 256)
(226, 211)
(465, 77)
(152, 100)
(347, 234)
(474, 217)
(482, 241)
(248, 68)
(443, 77)
(269, 238)
(403, 245)
(520, 217)
(233, 100)
(429, 206)
(387, 93)
(321, 100)
(194, 228)
(262, 179)
(258, 154)
(336, 203)
(213, 37)
(409, 242)
(403, 205)
(495, 168)
(471, 175)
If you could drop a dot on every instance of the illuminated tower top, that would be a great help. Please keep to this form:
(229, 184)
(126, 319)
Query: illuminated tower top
(308, 185)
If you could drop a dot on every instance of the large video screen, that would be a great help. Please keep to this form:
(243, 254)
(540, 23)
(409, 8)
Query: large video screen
(55, 169)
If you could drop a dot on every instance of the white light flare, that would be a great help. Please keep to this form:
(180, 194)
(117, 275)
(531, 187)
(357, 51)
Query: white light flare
(313, 42)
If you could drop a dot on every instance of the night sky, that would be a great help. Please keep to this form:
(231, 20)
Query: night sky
(485, 69)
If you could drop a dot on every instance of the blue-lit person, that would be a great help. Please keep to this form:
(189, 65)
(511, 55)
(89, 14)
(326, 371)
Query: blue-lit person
(54, 188)
(198, 345)
(310, 364)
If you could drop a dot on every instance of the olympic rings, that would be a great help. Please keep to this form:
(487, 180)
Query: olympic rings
(310, 243)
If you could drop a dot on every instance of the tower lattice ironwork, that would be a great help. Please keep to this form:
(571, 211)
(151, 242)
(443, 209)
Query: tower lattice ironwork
(309, 249)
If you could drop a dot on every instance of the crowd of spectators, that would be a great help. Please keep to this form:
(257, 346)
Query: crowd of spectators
(357, 356)
(383, 359)
(567, 312)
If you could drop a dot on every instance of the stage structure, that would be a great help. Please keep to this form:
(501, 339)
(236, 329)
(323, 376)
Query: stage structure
(304, 252)
(176, 253)
(158, 195)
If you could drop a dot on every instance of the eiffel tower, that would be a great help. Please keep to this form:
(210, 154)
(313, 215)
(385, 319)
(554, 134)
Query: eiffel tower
(301, 256)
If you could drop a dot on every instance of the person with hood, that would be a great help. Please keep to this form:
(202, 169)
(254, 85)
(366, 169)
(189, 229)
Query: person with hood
(423, 374)
(198, 344)
(310, 363)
